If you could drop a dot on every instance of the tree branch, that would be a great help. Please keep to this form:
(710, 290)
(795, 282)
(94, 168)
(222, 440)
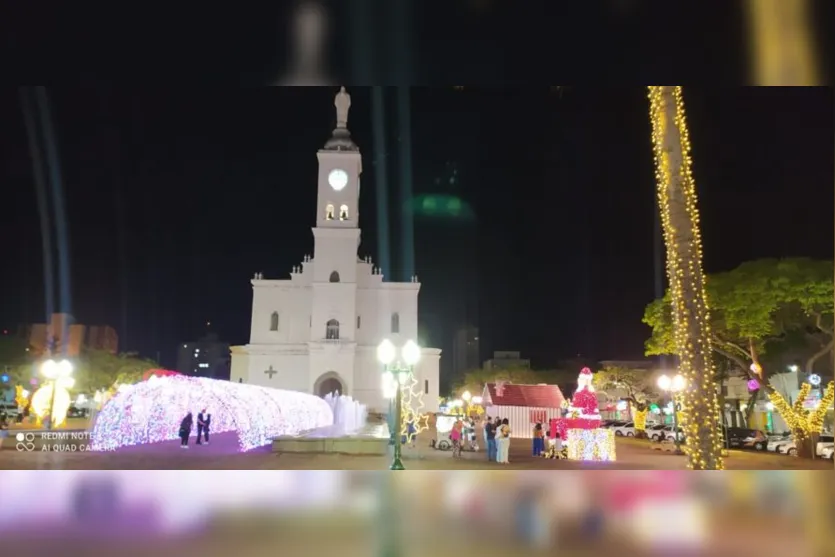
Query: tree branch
(810, 363)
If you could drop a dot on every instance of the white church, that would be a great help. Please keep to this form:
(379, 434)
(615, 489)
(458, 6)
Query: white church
(318, 331)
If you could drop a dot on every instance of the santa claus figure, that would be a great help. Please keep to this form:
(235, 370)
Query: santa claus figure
(584, 402)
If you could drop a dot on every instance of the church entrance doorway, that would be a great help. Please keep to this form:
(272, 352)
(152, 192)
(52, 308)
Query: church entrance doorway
(329, 383)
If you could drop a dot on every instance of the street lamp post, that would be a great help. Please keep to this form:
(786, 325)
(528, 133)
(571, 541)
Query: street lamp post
(396, 374)
(673, 385)
(57, 372)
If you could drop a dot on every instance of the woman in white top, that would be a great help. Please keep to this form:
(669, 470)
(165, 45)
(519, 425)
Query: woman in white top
(503, 442)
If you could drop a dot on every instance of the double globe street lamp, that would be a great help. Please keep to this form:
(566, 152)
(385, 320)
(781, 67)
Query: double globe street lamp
(674, 385)
(398, 368)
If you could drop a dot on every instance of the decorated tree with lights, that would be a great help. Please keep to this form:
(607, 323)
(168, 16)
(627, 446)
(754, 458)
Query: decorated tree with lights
(759, 309)
(677, 203)
(805, 424)
(413, 409)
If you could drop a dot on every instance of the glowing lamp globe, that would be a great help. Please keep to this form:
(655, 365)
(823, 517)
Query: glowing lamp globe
(467, 396)
(753, 385)
(815, 380)
(678, 383)
(411, 353)
(664, 383)
(386, 352)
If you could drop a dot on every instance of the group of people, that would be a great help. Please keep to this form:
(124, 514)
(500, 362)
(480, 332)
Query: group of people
(204, 422)
(497, 438)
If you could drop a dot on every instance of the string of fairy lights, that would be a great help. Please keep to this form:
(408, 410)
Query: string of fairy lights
(700, 401)
(802, 422)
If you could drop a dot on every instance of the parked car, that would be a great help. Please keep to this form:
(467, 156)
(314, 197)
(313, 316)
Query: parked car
(607, 424)
(776, 441)
(736, 436)
(789, 448)
(757, 441)
(656, 432)
(827, 452)
(668, 433)
(625, 430)
(824, 441)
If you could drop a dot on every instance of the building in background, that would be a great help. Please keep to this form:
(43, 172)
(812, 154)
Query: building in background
(465, 351)
(506, 359)
(207, 357)
(523, 405)
(318, 330)
(62, 335)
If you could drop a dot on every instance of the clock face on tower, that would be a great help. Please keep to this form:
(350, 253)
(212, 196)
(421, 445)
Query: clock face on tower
(338, 179)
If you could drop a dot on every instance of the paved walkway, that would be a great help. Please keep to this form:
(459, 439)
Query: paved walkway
(222, 454)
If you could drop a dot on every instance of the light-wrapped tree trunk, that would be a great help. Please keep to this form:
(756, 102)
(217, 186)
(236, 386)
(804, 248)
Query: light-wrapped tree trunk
(680, 221)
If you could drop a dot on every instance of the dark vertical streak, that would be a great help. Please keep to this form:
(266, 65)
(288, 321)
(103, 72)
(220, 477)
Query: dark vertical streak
(378, 119)
(407, 238)
(58, 206)
(43, 200)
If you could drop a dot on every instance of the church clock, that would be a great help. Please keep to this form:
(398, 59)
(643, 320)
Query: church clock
(337, 179)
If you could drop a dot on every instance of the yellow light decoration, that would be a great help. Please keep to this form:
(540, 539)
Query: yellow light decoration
(677, 201)
(21, 396)
(639, 417)
(802, 422)
(42, 400)
(412, 409)
(591, 445)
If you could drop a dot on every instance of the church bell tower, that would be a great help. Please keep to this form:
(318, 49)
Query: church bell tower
(337, 232)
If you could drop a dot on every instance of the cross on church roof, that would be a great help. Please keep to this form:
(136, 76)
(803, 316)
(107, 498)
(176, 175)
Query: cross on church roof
(270, 372)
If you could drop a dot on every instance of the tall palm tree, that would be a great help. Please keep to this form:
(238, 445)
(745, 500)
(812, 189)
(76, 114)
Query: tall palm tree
(680, 221)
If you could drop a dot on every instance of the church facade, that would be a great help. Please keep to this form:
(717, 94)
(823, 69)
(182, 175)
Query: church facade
(318, 330)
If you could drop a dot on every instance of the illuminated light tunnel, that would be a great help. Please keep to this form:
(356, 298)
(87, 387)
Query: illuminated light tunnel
(151, 411)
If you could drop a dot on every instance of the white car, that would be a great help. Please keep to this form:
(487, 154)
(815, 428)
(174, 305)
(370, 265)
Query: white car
(625, 430)
(775, 441)
(827, 452)
(789, 448)
(824, 441)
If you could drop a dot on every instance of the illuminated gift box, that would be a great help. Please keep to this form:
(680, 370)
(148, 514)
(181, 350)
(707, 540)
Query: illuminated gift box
(591, 444)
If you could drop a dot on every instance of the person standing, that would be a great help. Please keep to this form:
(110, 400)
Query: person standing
(490, 439)
(538, 441)
(201, 426)
(503, 443)
(455, 437)
(185, 430)
(206, 428)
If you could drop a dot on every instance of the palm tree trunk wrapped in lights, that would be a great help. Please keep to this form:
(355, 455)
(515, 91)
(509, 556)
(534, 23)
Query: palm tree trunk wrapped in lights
(680, 221)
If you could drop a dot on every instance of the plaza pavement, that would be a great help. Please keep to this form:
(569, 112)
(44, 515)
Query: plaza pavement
(222, 454)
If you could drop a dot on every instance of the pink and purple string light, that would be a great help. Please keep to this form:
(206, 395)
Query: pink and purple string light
(151, 411)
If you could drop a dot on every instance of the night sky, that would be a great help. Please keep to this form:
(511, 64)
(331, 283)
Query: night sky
(175, 197)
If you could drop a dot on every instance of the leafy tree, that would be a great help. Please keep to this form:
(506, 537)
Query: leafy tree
(635, 383)
(99, 369)
(757, 308)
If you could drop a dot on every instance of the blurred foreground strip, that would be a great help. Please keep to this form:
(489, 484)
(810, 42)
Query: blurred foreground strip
(782, 42)
(208, 514)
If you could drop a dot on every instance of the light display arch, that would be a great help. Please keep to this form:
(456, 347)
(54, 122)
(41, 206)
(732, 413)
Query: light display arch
(151, 411)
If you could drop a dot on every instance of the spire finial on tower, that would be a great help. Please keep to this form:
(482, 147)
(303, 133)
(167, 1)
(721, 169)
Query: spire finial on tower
(341, 138)
(342, 102)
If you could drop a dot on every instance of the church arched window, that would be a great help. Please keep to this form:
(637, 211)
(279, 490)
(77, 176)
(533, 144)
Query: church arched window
(334, 277)
(395, 322)
(274, 321)
(343, 212)
(332, 330)
(329, 212)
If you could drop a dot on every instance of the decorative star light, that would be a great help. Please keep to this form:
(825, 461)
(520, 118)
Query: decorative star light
(151, 411)
(413, 409)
